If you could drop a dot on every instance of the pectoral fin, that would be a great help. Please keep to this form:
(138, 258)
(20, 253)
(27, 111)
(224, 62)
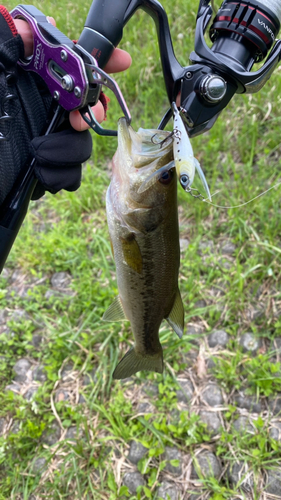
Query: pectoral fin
(131, 252)
(115, 312)
(176, 316)
(133, 362)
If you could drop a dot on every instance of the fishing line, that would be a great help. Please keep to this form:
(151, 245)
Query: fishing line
(241, 204)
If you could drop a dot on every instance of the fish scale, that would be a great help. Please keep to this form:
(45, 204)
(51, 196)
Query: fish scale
(144, 233)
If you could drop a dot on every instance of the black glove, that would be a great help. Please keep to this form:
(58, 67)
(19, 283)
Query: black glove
(24, 105)
(58, 160)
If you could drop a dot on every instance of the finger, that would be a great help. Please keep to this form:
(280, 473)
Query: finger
(178, 100)
(77, 122)
(25, 32)
(51, 20)
(119, 61)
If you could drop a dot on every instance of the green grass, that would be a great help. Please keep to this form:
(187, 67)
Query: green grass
(68, 232)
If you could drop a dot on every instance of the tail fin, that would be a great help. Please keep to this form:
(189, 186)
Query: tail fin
(133, 362)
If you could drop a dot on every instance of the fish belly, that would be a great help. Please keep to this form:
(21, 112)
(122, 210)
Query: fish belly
(147, 266)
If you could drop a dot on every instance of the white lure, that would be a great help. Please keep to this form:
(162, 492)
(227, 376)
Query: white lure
(185, 162)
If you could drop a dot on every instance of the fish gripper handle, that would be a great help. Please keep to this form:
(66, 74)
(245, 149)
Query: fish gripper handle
(103, 28)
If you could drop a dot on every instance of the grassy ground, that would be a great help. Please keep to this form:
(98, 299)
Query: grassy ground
(237, 291)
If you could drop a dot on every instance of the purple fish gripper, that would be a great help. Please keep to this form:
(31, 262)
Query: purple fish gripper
(72, 74)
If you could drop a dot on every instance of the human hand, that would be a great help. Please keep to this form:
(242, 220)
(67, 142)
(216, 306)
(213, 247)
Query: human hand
(119, 61)
(59, 155)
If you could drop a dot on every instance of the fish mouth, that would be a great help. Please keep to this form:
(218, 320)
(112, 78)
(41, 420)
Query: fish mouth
(124, 134)
(141, 141)
(123, 126)
(124, 129)
(142, 161)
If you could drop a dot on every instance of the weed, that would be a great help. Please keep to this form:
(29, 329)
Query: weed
(236, 290)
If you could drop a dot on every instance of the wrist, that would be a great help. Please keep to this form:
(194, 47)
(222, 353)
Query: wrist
(7, 25)
(11, 44)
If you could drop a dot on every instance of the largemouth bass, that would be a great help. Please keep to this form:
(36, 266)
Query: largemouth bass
(142, 218)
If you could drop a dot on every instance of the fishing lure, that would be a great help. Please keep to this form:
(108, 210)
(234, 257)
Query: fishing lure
(185, 162)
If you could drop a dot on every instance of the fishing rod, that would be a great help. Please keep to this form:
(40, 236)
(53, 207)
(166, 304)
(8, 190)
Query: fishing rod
(242, 33)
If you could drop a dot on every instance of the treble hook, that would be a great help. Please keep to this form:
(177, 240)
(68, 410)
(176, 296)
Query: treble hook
(163, 140)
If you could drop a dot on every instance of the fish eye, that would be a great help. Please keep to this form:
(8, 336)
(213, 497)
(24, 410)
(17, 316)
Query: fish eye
(166, 177)
(184, 180)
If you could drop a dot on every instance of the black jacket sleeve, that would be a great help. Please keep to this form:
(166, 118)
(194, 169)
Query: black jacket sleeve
(24, 108)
